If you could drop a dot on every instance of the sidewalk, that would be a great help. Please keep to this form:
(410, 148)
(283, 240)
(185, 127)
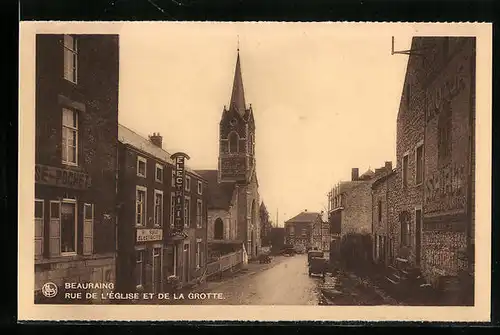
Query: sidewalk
(213, 285)
(344, 288)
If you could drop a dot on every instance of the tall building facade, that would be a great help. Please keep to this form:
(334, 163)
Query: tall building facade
(148, 253)
(75, 154)
(234, 209)
(429, 213)
(449, 155)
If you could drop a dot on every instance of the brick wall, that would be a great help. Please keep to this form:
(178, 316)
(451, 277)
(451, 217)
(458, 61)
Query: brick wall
(448, 207)
(447, 68)
(357, 215)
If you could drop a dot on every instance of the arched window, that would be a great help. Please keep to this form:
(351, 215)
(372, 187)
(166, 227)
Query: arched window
(233, 142)
(251, 145)
(218, 229)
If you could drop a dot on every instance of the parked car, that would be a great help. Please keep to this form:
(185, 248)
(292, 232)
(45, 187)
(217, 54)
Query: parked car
(313, 253)
(288, 251)
(318, 266)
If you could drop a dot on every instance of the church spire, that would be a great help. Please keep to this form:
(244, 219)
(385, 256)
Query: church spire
(238, 94)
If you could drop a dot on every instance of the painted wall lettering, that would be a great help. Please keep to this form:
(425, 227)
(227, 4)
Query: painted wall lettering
(49, 175)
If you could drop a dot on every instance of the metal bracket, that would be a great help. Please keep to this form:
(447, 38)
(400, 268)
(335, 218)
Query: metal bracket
(406, 52)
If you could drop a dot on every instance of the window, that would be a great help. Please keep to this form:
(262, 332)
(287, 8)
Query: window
(39, 226)
(172, 209)
(187, 187)
(141, 166)
(158, 211)
(173, 178)
(199, 213)
(405, 229)
(156, 276)
(200, 187)
(218, 229)
(233, 142)
(292, 230)
(251, 145)
(68, 227)
(405, 171)
(444, 134)
(71, 58)
(380, 211)
(304, 231)
(54, 228)
(69, 137)
(159, 173)
(140, 206)
(139, 268)
(88, 229)
(419, 164)
(187, 206)
(198, 254)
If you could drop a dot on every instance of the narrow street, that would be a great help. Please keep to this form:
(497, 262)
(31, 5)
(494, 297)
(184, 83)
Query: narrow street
(284, 282)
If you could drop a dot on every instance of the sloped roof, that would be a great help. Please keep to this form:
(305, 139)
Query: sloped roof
(238, 93)
(219, 194)
(304, 217)
(368, 174)
(130, 137)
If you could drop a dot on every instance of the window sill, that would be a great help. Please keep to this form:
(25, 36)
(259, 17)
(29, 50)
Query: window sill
(75, 83)
(141, 176)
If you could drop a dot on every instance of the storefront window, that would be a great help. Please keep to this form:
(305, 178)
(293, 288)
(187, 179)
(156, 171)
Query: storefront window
(68, 227)
(139, 268)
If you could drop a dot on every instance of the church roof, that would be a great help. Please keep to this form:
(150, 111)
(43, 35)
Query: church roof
(219, 194)
(304, 217)
(238, 94)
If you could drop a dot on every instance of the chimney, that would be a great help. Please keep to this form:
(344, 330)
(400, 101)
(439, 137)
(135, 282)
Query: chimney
(355, 174)
(388, 166)
(156, 139)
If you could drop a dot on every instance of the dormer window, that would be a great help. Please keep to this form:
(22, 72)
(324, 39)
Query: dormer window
(233, 142)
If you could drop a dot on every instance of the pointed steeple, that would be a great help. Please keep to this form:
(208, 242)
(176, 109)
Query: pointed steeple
(238, 94)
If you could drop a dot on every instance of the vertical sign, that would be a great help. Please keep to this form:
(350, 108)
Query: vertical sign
(179, 159)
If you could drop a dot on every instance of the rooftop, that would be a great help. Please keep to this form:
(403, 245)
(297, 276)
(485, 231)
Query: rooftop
(219, 194)
(304, 217)
(129, 137)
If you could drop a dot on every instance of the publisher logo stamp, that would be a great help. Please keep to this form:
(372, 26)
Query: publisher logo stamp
(49, 290)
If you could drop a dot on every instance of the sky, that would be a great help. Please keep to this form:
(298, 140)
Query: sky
(325, 98)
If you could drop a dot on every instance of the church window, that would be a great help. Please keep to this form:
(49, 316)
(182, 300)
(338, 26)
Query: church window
(251, 145)
(233, 142)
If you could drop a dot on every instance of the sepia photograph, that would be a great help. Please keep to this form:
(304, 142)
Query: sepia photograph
(324, 166)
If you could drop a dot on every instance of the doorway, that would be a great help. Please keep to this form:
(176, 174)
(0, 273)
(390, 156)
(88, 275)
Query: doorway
(418, 235)
(185, 263)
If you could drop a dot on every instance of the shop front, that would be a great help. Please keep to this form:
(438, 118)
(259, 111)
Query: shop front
(149, 251)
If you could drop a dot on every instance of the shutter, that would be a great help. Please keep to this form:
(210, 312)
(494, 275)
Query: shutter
(88, 228)
(39, 218)
(55, 228)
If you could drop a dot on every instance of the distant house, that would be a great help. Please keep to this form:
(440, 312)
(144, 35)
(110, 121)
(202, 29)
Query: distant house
(304, 230)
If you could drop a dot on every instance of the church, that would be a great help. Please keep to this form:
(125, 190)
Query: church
(233, 204)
